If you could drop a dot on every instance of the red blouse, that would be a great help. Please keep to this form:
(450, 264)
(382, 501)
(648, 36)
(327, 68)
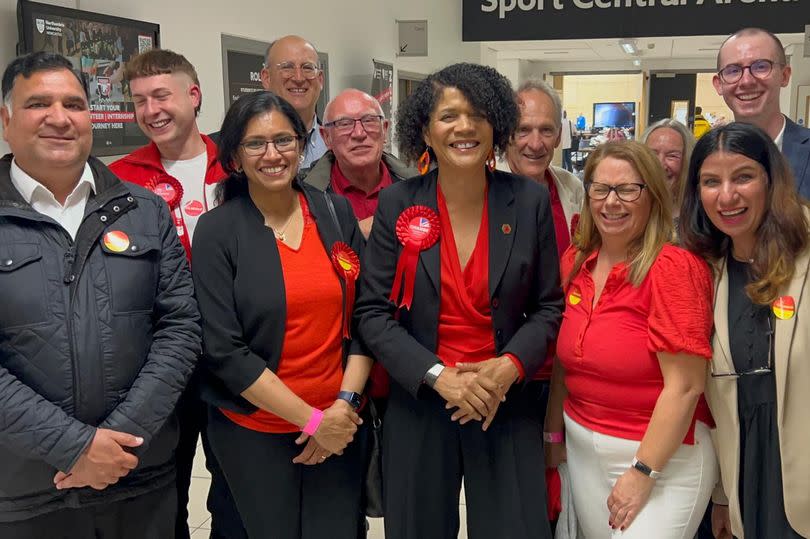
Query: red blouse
(609, 350)
(465, 321)
(311, 357)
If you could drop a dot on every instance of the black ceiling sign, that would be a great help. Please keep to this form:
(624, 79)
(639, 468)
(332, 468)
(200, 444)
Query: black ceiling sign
(518, 20)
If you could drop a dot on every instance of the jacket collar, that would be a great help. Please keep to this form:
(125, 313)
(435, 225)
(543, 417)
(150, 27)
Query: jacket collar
(796, 149)
(319, 175)
(149, 156)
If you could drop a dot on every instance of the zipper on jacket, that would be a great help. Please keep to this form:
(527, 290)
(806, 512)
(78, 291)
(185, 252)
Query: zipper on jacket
(68, 279)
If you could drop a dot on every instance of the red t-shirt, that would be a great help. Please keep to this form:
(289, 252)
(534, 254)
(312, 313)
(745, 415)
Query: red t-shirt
(311, 363)
(363, 204)
(609, 350)
(465, 320)
(563, 238)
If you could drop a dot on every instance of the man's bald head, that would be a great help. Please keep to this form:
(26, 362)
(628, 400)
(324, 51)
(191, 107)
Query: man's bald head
(350, 100)
(778, 50)
(292, 71)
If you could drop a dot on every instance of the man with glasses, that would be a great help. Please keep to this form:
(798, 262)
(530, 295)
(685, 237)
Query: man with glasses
(292, 71)
(355, 166)
(752, 69)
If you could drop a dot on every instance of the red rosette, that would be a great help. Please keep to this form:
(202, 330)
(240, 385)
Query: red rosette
(417, 229)
(347, 264)
(168, 188)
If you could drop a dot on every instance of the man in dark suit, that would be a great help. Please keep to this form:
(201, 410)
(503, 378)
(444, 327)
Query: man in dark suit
(751, 71)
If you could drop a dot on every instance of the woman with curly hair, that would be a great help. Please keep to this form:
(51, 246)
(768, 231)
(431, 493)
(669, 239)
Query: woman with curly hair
(633, 352)
(741, 212)
(460, 298)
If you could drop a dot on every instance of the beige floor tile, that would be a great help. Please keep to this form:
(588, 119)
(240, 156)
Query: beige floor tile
(375, 530)
(201, 533)
(197, 513)
(206, 525)
(198, 467)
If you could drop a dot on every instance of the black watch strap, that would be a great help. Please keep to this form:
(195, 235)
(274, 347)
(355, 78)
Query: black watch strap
(355, 399)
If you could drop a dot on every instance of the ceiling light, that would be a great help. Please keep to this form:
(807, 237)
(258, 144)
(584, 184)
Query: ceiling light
(637, 62)
(628, 46)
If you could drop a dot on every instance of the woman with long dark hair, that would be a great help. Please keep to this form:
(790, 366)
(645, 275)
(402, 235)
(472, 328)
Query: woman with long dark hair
(275, 268)
(741, 213)
(460, 300)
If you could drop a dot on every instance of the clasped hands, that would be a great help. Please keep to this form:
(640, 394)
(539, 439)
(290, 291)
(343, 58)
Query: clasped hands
(103, 463)
(476, 390)
(336, 431)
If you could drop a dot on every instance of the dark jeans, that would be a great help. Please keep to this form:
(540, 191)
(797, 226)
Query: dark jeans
(148, 515)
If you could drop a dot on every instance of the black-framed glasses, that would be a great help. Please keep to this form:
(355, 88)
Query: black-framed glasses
(756, 371)
(309, 70)
(283, 144)
(372, 123)
(628, 192)
(759, 69)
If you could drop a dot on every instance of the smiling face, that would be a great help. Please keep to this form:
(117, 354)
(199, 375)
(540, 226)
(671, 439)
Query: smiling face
(272, 170)
(532, 148)
(667, 145)
(618, 221)
(734, 193)
(165, 107)
(357, 149)
(461, 137)
(293, 86)
(49, 123)
(751, 99)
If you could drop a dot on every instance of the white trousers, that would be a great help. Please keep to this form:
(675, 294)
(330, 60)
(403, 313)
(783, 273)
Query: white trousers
(677, 501)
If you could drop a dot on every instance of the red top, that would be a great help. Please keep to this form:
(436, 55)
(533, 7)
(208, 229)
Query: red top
(364, 204)
(311, 363)
(465, 321)
(609, 351)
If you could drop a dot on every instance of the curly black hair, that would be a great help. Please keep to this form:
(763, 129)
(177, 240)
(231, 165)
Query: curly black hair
(488, 92)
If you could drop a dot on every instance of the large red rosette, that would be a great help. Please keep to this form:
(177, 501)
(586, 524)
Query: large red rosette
(168, 188)
(417, 229)
(347, 264)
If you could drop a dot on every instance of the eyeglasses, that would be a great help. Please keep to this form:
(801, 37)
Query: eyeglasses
(283, 144)
(309, 70)
(628, 192)
(759, 69)
(372, 123)
(767, 369)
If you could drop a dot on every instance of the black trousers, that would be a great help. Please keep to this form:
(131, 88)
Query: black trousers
(149, 515)
(192, 415)
(426, 455)
(281, 500)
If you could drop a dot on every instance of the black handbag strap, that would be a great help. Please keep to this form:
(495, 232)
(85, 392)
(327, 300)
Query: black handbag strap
(333, 213)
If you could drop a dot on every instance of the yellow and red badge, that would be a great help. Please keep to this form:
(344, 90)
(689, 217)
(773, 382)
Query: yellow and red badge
(784, 307)
(574, 297)
(168, 188)
(347, 264)
(417, 229)
(116, 241)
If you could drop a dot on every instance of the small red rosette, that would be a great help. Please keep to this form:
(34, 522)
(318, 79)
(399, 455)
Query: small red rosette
(168, 188)
(417, 229)
(347, 264)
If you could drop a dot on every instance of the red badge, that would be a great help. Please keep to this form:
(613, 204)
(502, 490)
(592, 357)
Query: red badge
(347, 264)
(193, 208)
(168, 188)
(784, 307)
(417, 230)
(116, 241)
(506, 228)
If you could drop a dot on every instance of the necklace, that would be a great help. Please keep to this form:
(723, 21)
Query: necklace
(740, 259)
(281, 232)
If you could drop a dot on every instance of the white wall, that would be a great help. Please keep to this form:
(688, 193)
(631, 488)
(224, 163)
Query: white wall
(351, 32)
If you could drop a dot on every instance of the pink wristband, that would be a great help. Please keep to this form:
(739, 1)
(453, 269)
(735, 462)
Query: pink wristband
(554, 437)
(314, 422)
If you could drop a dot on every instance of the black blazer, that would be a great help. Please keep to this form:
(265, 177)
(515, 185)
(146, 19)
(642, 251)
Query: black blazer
(796, 148)
(524, 276)
(240, 289)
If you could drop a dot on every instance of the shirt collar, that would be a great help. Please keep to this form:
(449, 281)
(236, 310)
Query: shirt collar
(28, 186)
(341, 184)
(780, 137)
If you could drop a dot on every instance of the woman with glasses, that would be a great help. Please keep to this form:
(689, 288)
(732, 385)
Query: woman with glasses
(275, 268)
(742, 214)
(633, 350)
(460, 299)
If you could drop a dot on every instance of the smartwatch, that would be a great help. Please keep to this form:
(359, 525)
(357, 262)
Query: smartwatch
(433, 374)
(643, 468)
(354, 399)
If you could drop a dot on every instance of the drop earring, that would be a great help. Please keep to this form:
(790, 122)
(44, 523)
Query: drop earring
(423, 165)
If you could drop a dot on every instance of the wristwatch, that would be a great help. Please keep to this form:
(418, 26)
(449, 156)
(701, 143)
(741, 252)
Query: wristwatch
(433, 374)
(354, 399)
(643, 468)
